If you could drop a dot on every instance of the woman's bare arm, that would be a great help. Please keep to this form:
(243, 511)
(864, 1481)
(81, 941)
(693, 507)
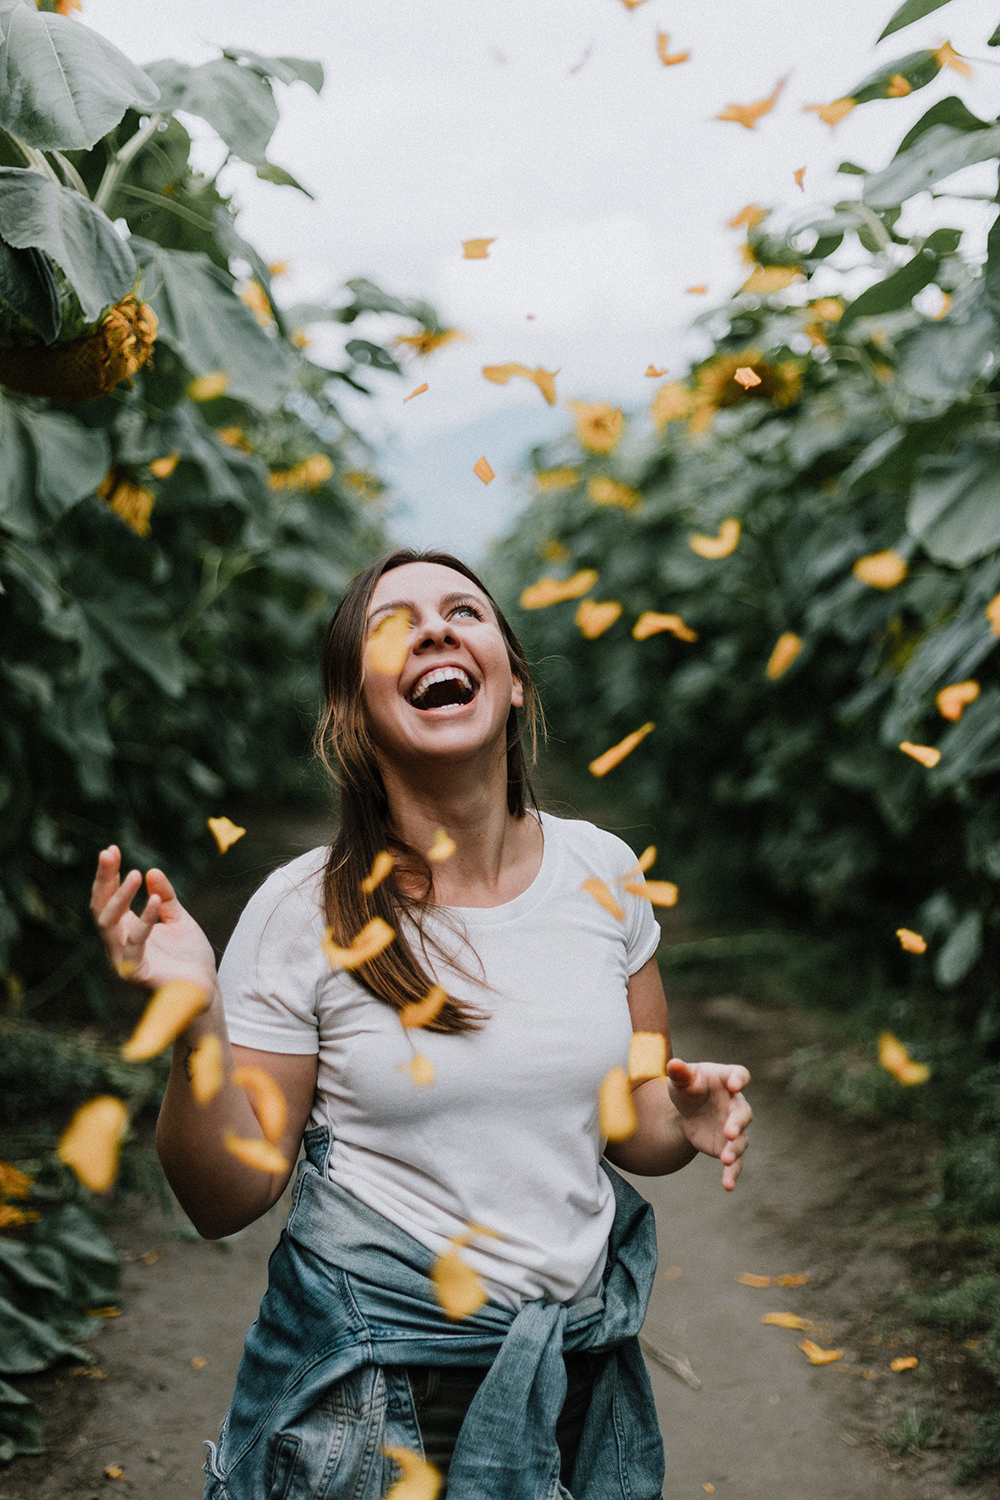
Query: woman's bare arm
(163, 942)
(697, 1107)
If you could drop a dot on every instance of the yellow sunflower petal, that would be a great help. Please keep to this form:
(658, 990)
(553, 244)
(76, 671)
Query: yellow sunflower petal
(370, 941)
(613, 757)
(225, 832)
(172, 1008)
(92, 1140)
(616, 1108)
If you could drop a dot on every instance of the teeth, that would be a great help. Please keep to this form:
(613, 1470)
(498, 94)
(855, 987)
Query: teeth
(440, 674)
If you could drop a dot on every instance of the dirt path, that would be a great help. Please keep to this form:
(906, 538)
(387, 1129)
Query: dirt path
(763, 1424)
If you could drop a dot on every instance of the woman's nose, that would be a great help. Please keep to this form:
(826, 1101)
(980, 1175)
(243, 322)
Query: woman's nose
(434, 630)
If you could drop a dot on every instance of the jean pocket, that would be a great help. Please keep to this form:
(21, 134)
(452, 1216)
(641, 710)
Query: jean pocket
(286, 1451)
(333, 1451)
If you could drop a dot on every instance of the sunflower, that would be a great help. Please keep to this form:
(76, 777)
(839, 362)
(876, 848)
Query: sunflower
(716, 386)
(598, 425)
(426, 341)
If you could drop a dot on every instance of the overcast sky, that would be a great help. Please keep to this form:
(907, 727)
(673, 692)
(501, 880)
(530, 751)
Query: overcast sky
(553, 126)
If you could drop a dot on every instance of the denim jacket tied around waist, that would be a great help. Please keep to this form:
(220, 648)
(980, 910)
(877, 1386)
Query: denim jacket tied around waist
(321, 1390)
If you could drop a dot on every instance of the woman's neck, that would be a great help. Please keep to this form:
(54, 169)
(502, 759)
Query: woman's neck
(497, 855)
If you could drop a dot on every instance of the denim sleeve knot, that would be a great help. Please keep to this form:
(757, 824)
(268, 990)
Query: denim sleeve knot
(321, 1391)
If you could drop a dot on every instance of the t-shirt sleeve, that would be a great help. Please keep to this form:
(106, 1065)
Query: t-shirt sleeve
(274, 966)
(642, 931)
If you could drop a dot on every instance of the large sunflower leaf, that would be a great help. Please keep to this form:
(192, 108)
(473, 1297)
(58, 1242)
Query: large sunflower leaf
(237, 102)
(934, 155)
(62, 86)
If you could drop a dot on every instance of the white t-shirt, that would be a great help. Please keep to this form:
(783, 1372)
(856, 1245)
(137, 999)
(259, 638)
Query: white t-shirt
(507, 1136)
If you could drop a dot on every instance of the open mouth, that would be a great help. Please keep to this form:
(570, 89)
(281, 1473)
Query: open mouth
(441, 688)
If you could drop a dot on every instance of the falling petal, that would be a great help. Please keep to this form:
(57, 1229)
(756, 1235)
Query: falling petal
(477, 249)
(927, 755)
(654, 372)
(557, 479)
(992, 613)
(799, 174)
(205, 1069)
(224, 832)
(555, 591)
(749, 114)
(380, 869)
(616, 1107)
(794, 1279)
(456, 1286)
(647, 859)
(786, 649)
(199, 1362)
(544, 379)
(667, 58)
(605, 491)
(442, 848)
(420, 1069)
(766, 279)
(898, 87)
(389, 643)
(910, 941)
(598, 425)
(262, 1156)
(746, 377)
(817, 1356)
(955, 698)
(482, 470)
(658, 892)
(423, 1012)
(370, 941)
(268, 1101)
(650, 623)
(747, 1278)
(831, 114)
(172, 1008)
(788, 1320)
(13, 1182)
(633, 4)
(162, 468)
(895, 1059)
(594, 619)
(91, 1142)
(255, 299)
(603, 897)
(946, 305)
(904, 1362)
(418, 392)
(697, 291)
(717, 546)
(111, 1471)
(647, 1055)
(426, 342)
(948, 58)
(881, 570)
(309, 474)
(420, 1480)
(613, 757)
(209, 387)
(748, 217)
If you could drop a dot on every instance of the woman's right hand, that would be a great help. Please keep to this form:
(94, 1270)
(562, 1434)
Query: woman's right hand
(161, 943)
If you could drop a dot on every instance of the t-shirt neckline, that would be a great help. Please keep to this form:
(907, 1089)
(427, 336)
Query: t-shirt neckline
(532, 895)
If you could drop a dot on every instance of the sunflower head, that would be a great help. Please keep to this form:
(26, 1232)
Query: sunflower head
(716, 385)
(598, 425)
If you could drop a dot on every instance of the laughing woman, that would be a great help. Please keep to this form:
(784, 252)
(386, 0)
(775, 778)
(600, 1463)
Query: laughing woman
(462, 1278)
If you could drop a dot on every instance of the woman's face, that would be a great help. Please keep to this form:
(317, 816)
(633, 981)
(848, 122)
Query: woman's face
(453, 695)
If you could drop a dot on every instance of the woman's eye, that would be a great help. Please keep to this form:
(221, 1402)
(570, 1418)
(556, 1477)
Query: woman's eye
(467, 609)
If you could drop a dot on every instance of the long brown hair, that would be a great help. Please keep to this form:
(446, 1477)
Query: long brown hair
(344, 745)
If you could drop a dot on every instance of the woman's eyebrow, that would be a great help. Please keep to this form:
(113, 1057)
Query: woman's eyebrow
(408, 603)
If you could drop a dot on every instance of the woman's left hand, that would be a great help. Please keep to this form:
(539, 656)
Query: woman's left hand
(713, 1112)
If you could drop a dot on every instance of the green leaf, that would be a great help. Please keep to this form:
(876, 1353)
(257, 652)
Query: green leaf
(65, 85)
(908, 12)
(28, 285)
(71, 460)
(92, 1265)
(899, 289)
(284, 69)
(28, 1345)
(39, 214)
(950, 111)
(20, 1424)
(994, 40)
(137, 626)
(365, 353)
(206, 324)
(237, 102)
(269, 172)
(370, 298)
(918, 68)
(852, 169)
(960, 952)
(991, 270)
(936, 154)
(942, 361)
(955, 507)
(18, 513)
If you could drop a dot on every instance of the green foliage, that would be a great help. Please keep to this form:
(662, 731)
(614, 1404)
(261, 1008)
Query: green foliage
(781, 795)
(915, 1429)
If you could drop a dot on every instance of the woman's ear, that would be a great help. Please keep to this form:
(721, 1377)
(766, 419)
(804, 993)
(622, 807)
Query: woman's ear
(517, 693)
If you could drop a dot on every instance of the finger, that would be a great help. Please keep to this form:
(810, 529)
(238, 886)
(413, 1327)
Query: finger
(681, 1074)
(106, 878)
(731, 1174)
(733, 1150)
(157, 884)
(738, 1079)
(739, 1117)
(120, 902)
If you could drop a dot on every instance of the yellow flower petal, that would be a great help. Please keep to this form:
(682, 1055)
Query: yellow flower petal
(667, 58)
(456, 1286)
(162, 468)
(420, 1480)
(205, 1069)
(749, 114)
(426, 342)
(796, 1279)
(420, 1069)
(268, 1101)
(904, 1362)
(658, 892)
(13, 1182)
(748, 217)
(647, 1055)
(616, 1108)
(786, 649)
(605, 491)
(817, 1356)
(717, 546)
(650, 623)
(225, 832)
(788, 1320)
(747, 1278)
(955, 698)
(948, 58)
(831, 114)
(598, 425)
(557, 479)
(927, 755)
(380, 869)
(653, 371)
(895, 1059)
(419, 391)
(477, 249)
(594, 619)
(799, 175)
(881, 570)
(389, 643)
(613, 757)
(697, 291)
(262, 1156)
(603, 896)
(209, 387)
(92, 1140)
(898, 87)
(992, 613)
(746, 377)
(442, 848)
(172, 1008)
(910, 941)
(765, 279)
(482, 470)
(370, 941)
(555, 591)
(544, 379)
(423, 1012)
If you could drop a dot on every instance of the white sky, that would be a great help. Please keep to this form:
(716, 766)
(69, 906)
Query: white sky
(553, 126)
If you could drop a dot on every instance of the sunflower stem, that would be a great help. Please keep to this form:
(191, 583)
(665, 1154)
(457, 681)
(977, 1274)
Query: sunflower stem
(122, 159)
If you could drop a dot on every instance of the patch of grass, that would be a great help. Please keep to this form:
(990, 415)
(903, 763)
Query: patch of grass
(982, 1455)
(915, 1429)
